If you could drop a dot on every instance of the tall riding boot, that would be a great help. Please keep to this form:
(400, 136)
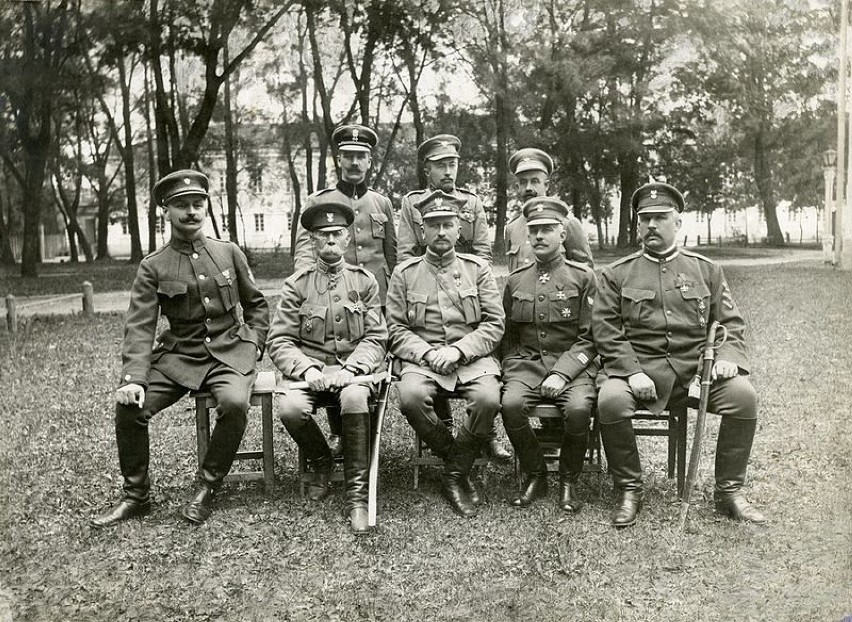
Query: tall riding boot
(356, 464)
(443, 411)
(335, 430)
(457, 467)
(133, 457)
(622, 455)
(438, 439)
(732, 452)
(531, 458)
(572, 455)
(311, 441)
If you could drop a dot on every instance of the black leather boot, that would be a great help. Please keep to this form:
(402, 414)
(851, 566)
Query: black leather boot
(494, 449)
(311, 441)
(224, 444)
(443, 411)
(733, 449)
(335, 430)
(531, 460)
(132, 440)
(622, 455)
(199, 508)
(356, 465)
(438, 439)
(572, 455)
(457, 467)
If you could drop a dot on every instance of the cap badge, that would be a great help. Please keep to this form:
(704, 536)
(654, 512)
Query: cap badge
(438, 202)
(355, 134)
(539, 209)
(186, 181)
(444, 143)
(329, 216)
(653, 194)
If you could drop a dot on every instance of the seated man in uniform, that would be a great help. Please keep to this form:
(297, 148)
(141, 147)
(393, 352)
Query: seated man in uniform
(327, 329)
(548, 353)
(199, 285)
(650, 320)
(445, 320)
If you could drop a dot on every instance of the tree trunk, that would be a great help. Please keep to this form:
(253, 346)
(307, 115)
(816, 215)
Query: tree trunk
(102, 234)
(763, 179)
(629, 178)
(503, 119)
(152, 170)
(230, 159)
(127, 157)
(7, 258)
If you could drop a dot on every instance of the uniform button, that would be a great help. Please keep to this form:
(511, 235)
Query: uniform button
(668, 311)
(201, 277)
(542, 334)
(337, 299)
(337, 319)
(207, 300)
(357, 212)
(664, 269)
(209, 321)
(360, 264)
(127, 376)
(544, 352)
(207, 339)
(541, 297)
(195, 255)
(526, 260)
(541, 316)
(360, 247)
(357, 229)
(669, 334)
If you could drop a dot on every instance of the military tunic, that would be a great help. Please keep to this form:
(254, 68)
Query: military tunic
(651, 315)
(447, 300)
(548, 331)
(473, 226)
(519, 252)
(373, 244)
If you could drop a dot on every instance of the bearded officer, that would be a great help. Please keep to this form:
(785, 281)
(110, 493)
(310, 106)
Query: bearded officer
(439, 157)
(532, 169)
(372, 232)
(327, 329)
(445, 320)
(218, 320)
(548, 353)
(650, 321)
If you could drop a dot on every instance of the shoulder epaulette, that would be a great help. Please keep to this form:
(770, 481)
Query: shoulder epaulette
(298, 274)
(323, 191)
(421, 191)
(154, 253)
(579, 265)
(630, 257)
(357, 268)
(474, 258)
(522, 268)
(378, 192)
(408, 262)
(689, 253)
(466, 191)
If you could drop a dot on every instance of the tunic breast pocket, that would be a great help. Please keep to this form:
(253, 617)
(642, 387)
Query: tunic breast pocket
(227, 286)
(312, 320)
(470, 305)
(172, 297)
(523, 304)
(416, 313)
(636, 305)
(466, 225)
(695, 305)
(355, 320)
(564, 306)
(378, 221)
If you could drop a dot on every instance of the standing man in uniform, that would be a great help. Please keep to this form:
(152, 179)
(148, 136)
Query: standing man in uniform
(445, 320)
(439, 157)
(199, 285)
(650, 321)
(372, 232)
(327, 329)
(548, 353)
(532, 169)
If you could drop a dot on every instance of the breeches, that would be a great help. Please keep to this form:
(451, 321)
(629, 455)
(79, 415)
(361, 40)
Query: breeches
(575, 403)
(296, 407)
(481, 395)
(732, 397)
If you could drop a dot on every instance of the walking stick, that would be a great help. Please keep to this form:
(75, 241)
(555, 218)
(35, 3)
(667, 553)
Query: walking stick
(373, 478)
(695, 455)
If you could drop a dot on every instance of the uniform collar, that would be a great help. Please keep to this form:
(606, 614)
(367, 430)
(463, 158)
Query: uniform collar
(187, 247)
(352, 190)
(330, 268)
(550, 265)
(441, 261)
(667, 255)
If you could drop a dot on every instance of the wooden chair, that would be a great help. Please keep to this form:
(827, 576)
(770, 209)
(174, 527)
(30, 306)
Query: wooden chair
(672, 424)
(261, 395)
(552, 443)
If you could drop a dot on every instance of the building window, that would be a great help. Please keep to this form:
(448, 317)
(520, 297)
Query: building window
(222, 183)
(124, 228)
(256, 179)
(160, 225)
(258, 223)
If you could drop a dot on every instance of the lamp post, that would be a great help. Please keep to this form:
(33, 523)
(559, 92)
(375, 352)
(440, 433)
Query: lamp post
(829, 162)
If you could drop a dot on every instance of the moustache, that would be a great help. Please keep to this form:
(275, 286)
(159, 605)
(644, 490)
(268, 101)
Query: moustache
(193, 221)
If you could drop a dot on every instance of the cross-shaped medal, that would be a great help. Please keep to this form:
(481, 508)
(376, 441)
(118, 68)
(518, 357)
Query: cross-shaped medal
(544, 277)
(560, 295)
(566, 312)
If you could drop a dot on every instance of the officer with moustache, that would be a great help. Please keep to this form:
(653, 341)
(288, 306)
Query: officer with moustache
(445, 320)
(548, 353)
(327, 329)
(372, 232)
(218, 320)
(439, 157)
(532, 169)
(650, 321)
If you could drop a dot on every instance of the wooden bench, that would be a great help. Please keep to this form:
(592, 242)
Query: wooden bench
(262, 395)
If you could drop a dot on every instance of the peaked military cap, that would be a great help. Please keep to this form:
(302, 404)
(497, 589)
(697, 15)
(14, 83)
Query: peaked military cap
(545, 211)
(326, 216)
(530, 159)
(438, 147)
(354, 138)
(439, 203)
(180, 183)
(657, 197)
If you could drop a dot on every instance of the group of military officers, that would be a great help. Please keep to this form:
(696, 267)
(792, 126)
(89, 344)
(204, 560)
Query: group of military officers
(557, 334)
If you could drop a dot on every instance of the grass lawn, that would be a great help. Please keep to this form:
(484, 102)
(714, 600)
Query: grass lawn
(279, 558)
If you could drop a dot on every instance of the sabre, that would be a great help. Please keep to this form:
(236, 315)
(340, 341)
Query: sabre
(695, 455)
(373, 477)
